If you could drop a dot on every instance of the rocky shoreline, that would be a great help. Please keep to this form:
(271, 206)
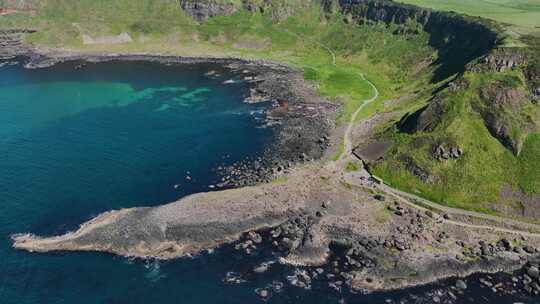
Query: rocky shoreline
(310, 212)
(311, 216)
(301, 120)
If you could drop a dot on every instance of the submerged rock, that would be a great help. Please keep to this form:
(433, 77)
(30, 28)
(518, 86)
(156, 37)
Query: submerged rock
(460, 284)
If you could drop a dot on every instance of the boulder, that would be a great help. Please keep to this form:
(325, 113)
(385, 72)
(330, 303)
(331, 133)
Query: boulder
(533, 272)
(261, 268)
(379, 197)
(461, 285)
(263, 293)
(528, 249)
(255, 237)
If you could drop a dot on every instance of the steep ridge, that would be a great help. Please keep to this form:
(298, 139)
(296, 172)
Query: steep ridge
(474, 145)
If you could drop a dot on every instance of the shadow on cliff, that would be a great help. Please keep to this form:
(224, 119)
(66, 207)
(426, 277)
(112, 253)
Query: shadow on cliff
(458, 39)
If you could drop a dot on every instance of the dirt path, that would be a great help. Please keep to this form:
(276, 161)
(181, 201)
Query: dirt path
(347, 141)
(409, 198)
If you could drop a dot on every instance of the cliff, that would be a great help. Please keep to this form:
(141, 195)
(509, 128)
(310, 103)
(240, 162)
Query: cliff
(458, 39)
(202, 10)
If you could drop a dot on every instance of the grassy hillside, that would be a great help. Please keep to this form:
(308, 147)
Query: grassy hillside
(491, 117)
(524, 15)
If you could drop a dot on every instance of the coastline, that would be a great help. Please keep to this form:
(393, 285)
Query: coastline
(207, 220)
(301, 120)
(305, 225)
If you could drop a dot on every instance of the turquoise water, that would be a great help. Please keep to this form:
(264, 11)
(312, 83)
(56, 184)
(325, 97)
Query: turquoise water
(74, 143)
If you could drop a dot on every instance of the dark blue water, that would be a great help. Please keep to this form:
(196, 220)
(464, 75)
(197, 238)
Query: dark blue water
(74, 143)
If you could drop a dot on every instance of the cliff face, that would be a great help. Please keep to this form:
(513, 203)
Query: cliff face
(457, 39)
(202, 10)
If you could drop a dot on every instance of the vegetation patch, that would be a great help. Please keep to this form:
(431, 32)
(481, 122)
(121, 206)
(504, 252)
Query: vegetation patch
(352, 167)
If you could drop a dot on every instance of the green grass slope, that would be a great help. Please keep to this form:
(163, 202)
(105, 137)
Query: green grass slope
(493, 119)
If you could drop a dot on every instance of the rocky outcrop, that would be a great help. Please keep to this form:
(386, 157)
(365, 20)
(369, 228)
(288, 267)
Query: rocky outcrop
(412, 166)
(505, 59)
(502, 105)
(431, 116)
(425, 119)
(534, 83)
(12, 44)
(532, 73)
(310, 226)
(202, 10)
(501, 60)
(444, 151)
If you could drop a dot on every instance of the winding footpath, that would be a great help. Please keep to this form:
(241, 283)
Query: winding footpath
(410, 198)
(347, 140)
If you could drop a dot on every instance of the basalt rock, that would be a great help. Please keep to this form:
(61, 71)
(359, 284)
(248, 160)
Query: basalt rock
(426, 119)
(12, 44)
(501, 102)
(443, 152)
(412, 166)
(202, 10)
(504, 59)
